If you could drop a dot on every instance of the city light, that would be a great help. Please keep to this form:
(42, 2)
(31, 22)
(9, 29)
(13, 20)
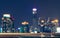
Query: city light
(6, 15)
(42, 21)
(19, 28)
(52, 21)
(25, 23)
(34, 9)
(58, 29)
(55, 21)
(2, 18)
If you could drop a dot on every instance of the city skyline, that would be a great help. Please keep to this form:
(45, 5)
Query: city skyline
(21, 10)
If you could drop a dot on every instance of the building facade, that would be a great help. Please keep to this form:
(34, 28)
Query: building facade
(7, 23)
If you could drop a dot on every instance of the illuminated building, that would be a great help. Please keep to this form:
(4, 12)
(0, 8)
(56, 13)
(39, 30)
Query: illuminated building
(41, 23)
(7, 23)
(34, 17)
(56, 25)
(34, 26)
(45, 25)
(24, 28)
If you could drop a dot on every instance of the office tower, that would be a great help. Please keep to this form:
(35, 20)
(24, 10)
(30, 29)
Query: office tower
(35, 17)
(34, 21)
(7, 23)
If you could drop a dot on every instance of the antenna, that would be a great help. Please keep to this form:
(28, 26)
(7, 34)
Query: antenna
(34, 3)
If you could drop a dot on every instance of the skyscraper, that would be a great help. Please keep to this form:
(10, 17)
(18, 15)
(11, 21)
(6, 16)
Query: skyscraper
(34, 26)
(34, 17)
(7, 23)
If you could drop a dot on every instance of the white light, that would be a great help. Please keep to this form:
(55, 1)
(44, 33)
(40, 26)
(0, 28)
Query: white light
(42, 21)
(58, 29)
(34, 9)
(31, 32)
(6, 15)
(1, 29)
(34, 12)
(35, 31)
(18, 28)
(42, 25)
(8, 31)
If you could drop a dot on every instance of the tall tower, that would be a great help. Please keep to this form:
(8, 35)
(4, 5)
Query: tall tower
(34, 17)
(35, 21)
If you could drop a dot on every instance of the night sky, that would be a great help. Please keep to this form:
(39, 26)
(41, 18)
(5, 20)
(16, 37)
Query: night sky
(21, 10)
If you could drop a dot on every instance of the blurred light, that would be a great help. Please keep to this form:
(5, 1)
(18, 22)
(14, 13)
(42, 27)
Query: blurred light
(52, 21)
(25, 23)
(42, 21)
(6, 15)
(35, 31)
(2, 18)
(42, 35)
(0, 29)
(58, 29)
(42, 25)
(34, 12)
(56, 20)
(8, 31)
(31, 32)
(18, 28)
(34, 9)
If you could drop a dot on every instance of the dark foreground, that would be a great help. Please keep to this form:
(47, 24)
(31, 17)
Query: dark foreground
(29, 35)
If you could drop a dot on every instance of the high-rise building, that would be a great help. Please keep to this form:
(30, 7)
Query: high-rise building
(34, 21)
(34, 17)
(7, 23)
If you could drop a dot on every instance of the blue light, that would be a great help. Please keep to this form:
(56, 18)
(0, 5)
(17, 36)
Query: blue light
(18, 28)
